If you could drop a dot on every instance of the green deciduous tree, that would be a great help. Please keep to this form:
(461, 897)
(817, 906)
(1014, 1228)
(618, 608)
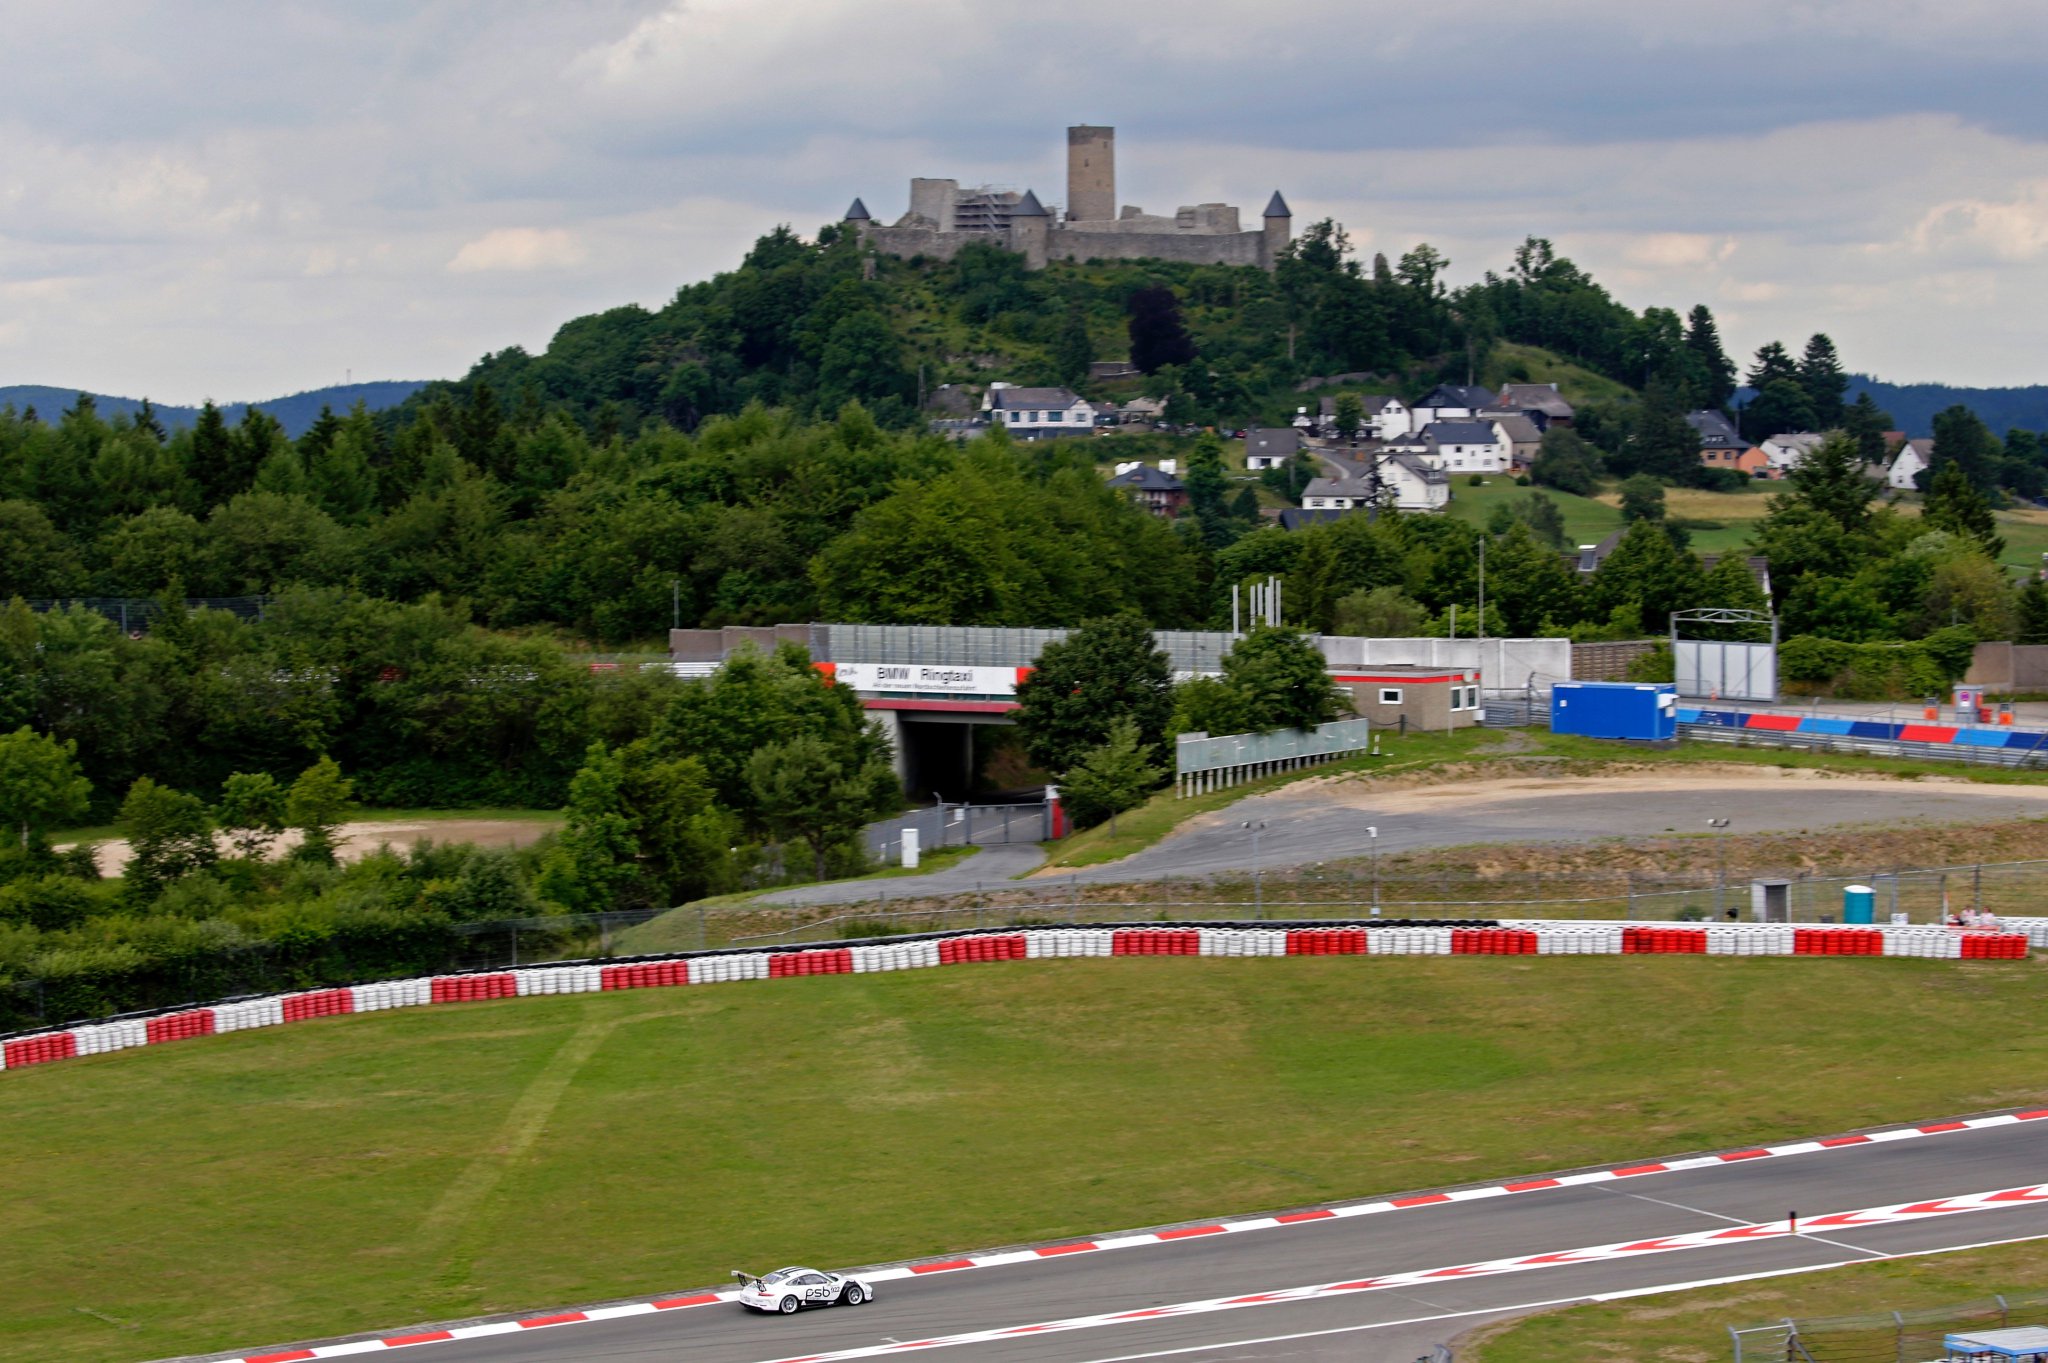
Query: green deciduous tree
(251, 812)
(1106, 671)
(1074, 351)
(317, 805)
(1108, 779)
(803, 789)
(1283, 679)
(169, 834)
(41, 786)
(1650, 572)
(1380, 613)
(1349, 415)
(1642, 498)
(1566, 462)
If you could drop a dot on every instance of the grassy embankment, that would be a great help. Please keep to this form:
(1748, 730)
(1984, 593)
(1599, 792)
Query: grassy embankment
(1694, 1325)
(375, 1171)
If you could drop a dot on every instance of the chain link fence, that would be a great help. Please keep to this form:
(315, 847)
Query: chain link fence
(1885, 1337)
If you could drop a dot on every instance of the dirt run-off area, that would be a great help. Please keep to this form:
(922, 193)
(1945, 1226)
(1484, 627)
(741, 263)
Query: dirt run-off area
(361, 839)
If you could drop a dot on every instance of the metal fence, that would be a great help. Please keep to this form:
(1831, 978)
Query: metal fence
(1884, 1337)
(134, 614)
(950, 825)
(1202, 763)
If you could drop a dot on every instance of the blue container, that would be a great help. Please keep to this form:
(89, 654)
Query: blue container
(1859, 904)
(1647, 711)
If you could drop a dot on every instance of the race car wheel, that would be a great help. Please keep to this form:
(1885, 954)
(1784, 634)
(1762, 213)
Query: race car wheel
(788, 1305)
(853, 1296)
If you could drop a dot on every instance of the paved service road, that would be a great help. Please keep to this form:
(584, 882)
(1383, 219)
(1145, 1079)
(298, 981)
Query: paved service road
(1325, 822)
(1394, 1322)
(991, 866)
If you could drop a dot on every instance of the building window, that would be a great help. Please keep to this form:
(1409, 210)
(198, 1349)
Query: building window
(1055, 416)
(1390, 695)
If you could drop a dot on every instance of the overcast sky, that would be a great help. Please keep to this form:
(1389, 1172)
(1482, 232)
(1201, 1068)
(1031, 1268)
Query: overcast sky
(244, 198)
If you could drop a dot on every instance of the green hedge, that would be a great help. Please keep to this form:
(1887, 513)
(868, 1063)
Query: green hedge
(1876, 671)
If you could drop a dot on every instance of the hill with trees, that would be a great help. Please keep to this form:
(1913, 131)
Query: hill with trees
(295, 413)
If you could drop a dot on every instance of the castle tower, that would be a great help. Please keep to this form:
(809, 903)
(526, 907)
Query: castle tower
(1091, 173)
(1030, 231)
(1279, 231)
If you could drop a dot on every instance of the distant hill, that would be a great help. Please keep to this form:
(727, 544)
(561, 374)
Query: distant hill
(295, 413)
(1913, 405)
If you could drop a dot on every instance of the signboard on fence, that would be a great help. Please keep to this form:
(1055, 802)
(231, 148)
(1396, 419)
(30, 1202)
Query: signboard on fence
(1711, 670)
(956, 681)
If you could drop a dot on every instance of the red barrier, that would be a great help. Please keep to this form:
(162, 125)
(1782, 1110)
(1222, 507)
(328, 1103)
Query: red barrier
(833, 961)
(1493, 942)
(40, 1050)
(987, 947)
(644, 975)
(1327, 942)
(325, 1003)
(474, 988)
(1987, 946)
(179, 1026)
(1156, 942)
(1837, 942)
(1652, 941)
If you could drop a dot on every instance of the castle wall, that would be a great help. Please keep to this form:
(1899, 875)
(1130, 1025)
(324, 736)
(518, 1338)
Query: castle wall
(1199, 248)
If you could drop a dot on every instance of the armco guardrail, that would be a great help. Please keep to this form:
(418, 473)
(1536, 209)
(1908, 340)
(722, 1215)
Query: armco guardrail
(1203, 763)
(1479, 937)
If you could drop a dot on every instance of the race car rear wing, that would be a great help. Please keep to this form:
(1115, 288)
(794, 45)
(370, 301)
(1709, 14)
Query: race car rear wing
(746, 1279)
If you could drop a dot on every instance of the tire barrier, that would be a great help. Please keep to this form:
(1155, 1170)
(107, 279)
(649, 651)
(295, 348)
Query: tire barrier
(1380, 937)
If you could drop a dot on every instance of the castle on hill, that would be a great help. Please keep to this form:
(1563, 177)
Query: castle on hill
(943, 217)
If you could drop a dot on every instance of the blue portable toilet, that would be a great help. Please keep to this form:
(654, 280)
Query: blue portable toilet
(1859, 904)
(1646, 711)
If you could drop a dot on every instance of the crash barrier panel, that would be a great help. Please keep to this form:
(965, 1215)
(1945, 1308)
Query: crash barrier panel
(1659, 939)
(1543, 937)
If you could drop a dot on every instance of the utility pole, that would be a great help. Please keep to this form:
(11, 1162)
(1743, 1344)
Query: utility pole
(1482, 586)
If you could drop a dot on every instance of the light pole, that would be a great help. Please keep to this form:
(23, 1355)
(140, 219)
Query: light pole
(1258, 892)
(1720, 827)
(1372, 834)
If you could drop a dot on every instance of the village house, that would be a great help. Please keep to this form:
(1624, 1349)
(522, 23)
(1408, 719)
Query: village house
(1523, 436)
(1451, 402)
(1269, 447)
(1158, 490)
(1785, 451)
(1385, 417)
(1722, 446)
(1033, 413)
(1539, 401)
(1466, 446)
(1914, 458)
(1408, 482)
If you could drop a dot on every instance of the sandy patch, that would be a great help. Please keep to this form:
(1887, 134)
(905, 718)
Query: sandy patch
(361, 839)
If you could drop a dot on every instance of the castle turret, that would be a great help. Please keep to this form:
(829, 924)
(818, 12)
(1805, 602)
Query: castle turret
(1279, 231)
(1030, 230)
(858, 213)
(1091, 174)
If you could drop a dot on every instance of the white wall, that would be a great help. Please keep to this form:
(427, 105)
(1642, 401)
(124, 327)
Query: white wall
(1504, 664)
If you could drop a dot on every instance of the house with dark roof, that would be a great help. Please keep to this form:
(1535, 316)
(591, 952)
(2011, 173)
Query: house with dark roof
(1451, 402)
(1270, 447)
(1034, 413)
(1407, 482)
(1722, 446)
(1301, 518)
(1466, 446)
(1540, 401)
(1157, 489)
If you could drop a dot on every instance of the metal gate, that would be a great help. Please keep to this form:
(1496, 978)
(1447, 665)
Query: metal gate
(1708, 670)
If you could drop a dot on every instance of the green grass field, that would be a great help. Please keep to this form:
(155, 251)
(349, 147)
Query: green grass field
(1692, 1327)
(376, 1171)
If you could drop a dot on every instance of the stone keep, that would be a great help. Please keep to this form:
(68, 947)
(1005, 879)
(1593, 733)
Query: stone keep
(1091, 174)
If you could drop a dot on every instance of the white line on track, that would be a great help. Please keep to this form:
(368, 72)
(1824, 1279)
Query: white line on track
(1742, 1233)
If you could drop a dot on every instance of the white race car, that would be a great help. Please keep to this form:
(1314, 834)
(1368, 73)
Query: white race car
(789, 1290)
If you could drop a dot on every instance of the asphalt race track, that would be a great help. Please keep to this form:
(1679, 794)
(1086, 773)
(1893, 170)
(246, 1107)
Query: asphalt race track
(1365, 1323)
(1308, 825)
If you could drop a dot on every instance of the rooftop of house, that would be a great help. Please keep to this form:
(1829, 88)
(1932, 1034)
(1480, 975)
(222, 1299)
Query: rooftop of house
(1714, 428)
(1518, 427)
(1299, 518)
(1460, 432)
(1281, 440)
(1541, 397)
(1148, 479)
(1011, 399)
(1470, 396)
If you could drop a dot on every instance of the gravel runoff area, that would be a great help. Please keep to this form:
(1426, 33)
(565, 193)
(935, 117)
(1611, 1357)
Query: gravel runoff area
(361, 839)
(1316, 821)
